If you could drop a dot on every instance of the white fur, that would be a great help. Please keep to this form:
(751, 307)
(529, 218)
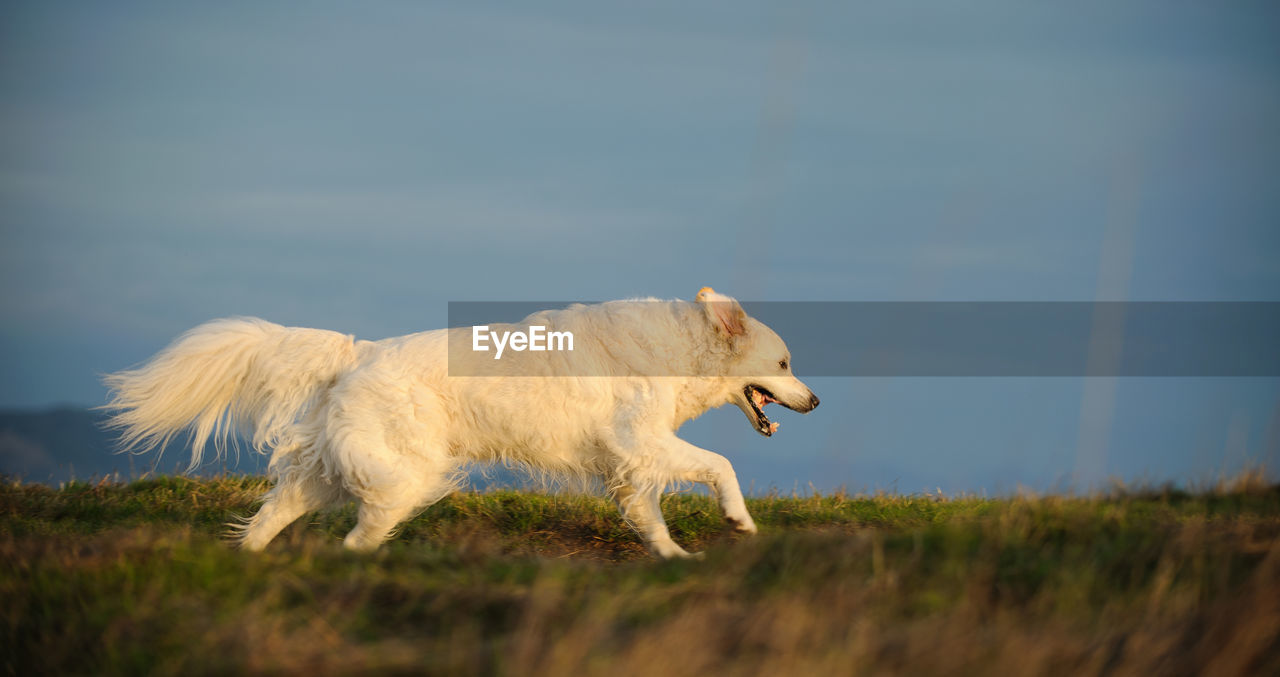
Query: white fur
(383, 423)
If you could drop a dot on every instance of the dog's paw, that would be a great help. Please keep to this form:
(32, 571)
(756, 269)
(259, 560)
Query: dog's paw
(743, 525)
(669, 550)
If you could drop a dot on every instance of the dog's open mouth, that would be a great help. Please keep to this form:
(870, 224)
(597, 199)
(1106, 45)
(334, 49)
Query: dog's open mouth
(757, 397)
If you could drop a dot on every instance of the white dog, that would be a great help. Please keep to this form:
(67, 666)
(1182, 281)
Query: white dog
(384, 423)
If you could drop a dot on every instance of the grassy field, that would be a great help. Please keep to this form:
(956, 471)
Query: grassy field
(138, 579)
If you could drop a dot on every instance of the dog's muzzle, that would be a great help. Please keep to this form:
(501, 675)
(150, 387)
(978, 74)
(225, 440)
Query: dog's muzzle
(807, 406)
(758, 397)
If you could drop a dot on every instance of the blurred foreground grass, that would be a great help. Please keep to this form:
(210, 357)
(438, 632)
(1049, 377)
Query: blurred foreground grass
(136, 578)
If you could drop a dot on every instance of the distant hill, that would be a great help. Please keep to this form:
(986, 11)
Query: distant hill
(56, 445)
(66, 443)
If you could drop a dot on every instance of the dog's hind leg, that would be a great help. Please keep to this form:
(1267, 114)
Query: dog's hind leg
(375, 524)
(395, 498)
(296, 495)
(387, 443)
(377, 520)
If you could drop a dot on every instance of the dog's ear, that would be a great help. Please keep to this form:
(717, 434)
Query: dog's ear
(724, 312)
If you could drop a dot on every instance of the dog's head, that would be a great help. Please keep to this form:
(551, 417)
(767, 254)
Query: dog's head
(759, 365)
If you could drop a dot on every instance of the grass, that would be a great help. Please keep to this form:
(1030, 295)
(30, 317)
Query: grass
(138, 578)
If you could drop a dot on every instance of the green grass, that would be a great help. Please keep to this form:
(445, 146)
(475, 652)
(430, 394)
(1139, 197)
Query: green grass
(138, 578)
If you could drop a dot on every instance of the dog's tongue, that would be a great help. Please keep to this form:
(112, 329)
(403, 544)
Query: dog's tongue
(760, 398)
(773, 426)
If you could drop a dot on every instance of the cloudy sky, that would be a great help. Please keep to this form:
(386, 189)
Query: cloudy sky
(357, 167)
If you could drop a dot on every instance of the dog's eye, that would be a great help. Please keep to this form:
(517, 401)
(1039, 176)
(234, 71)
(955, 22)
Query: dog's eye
(782, 364)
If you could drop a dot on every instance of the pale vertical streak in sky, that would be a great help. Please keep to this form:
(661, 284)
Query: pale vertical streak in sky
(1115, 270)
(786, 69)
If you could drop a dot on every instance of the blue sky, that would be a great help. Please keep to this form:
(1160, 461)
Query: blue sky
(357, 167)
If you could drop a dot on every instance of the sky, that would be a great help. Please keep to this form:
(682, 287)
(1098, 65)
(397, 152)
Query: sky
(357, 167)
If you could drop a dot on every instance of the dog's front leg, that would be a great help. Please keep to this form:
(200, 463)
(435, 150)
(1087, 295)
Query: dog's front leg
(695, 464)
(643, 511)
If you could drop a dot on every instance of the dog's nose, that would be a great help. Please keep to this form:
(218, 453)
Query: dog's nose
(813, 401)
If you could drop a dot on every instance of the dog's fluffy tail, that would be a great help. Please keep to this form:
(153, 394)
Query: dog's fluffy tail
(239, 373)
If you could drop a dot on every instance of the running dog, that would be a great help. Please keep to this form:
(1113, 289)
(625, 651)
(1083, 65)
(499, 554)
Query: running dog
(391, 423)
